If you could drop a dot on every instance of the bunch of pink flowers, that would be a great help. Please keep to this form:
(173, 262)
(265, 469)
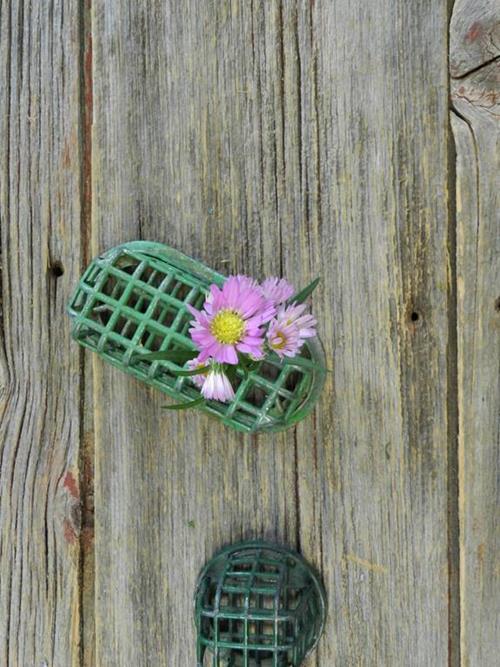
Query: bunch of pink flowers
(241, 323)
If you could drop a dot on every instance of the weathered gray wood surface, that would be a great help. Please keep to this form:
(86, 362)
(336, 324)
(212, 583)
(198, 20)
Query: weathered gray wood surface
(301, 138)
(476, 128)
(265, 137)
(474, 36)
(40, 207)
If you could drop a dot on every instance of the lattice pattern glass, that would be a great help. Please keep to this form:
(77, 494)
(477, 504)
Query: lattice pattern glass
(257, 604)
(133, 300)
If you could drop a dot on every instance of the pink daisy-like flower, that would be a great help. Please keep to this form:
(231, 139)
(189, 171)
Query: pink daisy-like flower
(289, 329)
(216, 386)
(277, 290)
(198, 380)
(231, 321)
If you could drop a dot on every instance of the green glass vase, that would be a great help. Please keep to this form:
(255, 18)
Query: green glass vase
(258, 604)
(132, 300)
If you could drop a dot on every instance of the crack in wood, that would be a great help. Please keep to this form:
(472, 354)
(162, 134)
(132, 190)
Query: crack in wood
(473, 70)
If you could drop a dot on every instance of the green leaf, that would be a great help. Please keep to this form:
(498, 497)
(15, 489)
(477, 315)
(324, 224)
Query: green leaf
(185, 406)
(247, 365)
(175, 356)
(189, 373)
(243, 362)
(297, 361)
(231, 370)
(301, 296)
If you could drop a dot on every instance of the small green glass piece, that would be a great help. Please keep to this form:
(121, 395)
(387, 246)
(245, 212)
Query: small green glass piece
(257, 604)
(132, 301)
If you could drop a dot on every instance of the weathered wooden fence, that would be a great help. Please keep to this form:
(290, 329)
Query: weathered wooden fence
(275, 136)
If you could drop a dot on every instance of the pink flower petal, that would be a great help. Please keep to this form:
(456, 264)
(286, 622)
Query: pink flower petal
(253, 350)
(197, 380)
(217, 387)
(277, 290)
(229, 355)
(286, 333)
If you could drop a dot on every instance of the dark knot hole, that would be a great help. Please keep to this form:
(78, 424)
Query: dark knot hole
(56, 269)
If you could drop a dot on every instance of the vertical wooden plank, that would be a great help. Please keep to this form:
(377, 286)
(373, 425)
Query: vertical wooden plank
(186, 150)
(373, 478)
(39, 383)
(305, 138)
(476, 128)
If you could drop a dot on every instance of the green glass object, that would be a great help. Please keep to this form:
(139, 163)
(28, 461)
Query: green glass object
(132, 300)
(258, 604)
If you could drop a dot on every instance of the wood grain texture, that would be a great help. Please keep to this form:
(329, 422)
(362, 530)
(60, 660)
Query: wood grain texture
(374, 485)
(39, 367)
(303, 138)
(169, 488)
(265, 137)
(476, 128)
(474, 35)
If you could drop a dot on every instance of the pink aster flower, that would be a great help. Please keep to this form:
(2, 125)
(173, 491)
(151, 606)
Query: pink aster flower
(231, 321)
(216, 386)
(277, 290)
(289, 329)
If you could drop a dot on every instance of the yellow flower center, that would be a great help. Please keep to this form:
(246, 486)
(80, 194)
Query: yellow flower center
(227, 327)
(279, 341)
